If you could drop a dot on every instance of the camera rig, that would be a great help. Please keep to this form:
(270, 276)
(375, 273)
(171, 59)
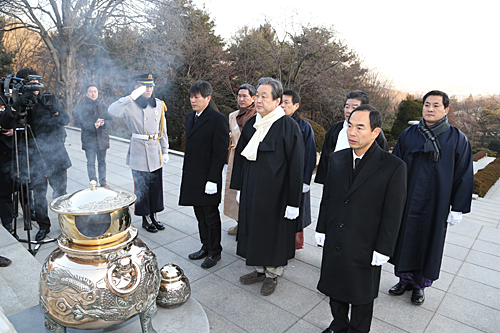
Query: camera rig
(11, 89)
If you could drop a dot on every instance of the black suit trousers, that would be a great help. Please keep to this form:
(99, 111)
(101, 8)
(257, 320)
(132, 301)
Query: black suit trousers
(361, 317)
(209, 226)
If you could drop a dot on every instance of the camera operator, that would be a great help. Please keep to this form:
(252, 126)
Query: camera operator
(48, 158)
(5, 174)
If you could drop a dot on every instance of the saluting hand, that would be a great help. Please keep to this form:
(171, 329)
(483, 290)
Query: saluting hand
(138, 92)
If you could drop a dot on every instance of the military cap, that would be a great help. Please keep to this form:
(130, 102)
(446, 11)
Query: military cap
(147, 79)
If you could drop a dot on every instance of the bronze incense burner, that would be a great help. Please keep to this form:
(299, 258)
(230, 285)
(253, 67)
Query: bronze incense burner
(102, 274)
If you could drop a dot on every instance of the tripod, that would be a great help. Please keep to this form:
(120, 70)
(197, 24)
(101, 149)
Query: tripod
(22, 179)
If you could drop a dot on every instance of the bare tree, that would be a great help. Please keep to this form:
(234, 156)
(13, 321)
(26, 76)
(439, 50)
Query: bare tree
(64, 26)
(477, 117)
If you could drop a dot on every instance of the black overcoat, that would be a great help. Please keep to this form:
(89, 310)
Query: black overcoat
(432, 189)
(268, 185)
(85, 115)
(359, 217)
(5, 163)
(329, 144)
(207, 140)
(49, 155)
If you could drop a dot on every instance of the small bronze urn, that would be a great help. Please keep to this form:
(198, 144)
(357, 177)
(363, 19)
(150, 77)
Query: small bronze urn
(174, 287)
(102, 274)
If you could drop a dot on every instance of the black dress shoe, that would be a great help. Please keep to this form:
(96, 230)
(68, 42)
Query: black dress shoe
(418, 297)
(329, 330)
(4, 262)
(41, 234)
(198, 255)
(210, 261)
(8, 226)
(155, 221)
(399, 288)
(148, 224)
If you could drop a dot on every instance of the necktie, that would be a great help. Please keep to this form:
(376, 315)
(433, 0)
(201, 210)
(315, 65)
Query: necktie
(195, 117)
(356, 162)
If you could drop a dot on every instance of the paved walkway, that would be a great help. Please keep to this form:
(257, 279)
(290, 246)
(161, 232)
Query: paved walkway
(466, 298)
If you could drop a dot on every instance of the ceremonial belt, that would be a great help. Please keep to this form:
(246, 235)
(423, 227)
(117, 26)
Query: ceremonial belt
(145, 136)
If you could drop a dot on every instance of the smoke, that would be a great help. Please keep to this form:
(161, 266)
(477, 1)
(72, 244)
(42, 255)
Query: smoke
(93, 225)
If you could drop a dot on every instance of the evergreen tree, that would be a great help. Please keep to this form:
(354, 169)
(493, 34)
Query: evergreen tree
(408, 109)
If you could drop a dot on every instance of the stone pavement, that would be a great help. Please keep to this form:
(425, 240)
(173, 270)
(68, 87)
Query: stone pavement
(466, 298)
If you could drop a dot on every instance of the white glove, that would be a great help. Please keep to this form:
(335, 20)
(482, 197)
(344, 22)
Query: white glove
(225, 169)
(320, 239)
(138, 92)
(454, 218)
(164, 158)
(210, 188)
(305, 188)
(291, 213)
(238, 196)
(378, 259)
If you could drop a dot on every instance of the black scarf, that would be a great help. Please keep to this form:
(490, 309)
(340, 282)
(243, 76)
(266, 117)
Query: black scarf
(143, 102)
(430, 133)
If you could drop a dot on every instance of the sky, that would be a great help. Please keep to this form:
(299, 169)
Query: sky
(420, 45)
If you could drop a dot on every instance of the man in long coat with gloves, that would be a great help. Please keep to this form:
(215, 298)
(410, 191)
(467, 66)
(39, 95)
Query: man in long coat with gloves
(440, 176)
(360, 213)
(290, 104)
(268, 170)
(207, 139)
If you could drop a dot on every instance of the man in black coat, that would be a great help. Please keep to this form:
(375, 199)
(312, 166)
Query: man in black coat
(6, 204)
(207, 139)
(360, 213)
(440, 177)
(48, 158)
(269, 171)
(336, 137)
(94, 120)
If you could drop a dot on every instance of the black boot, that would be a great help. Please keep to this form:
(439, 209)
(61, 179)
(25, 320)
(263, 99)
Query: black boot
(148, 225)
(155, 221)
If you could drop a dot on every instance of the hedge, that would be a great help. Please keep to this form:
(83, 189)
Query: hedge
(479, 155)
(485, 178)
(319, 133)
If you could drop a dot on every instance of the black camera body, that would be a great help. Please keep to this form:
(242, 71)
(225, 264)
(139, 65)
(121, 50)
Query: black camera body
(19, 94)
(11, 87)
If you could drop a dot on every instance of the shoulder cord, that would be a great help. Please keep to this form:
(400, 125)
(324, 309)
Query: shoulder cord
(162, 125)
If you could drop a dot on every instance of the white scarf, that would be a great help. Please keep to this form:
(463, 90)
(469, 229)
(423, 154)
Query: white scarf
(342, 141)
(262, 126)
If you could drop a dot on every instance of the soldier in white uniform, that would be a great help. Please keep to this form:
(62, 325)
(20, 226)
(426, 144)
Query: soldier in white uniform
(148, 149)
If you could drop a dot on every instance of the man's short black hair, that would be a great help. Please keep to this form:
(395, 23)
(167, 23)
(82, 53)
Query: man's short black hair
(251, 89)
(376, 117)
(91, 85)
(295, 96)
(446, 99)
(25, 72)
(359, 95)
(201, 87)
(277, 87)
